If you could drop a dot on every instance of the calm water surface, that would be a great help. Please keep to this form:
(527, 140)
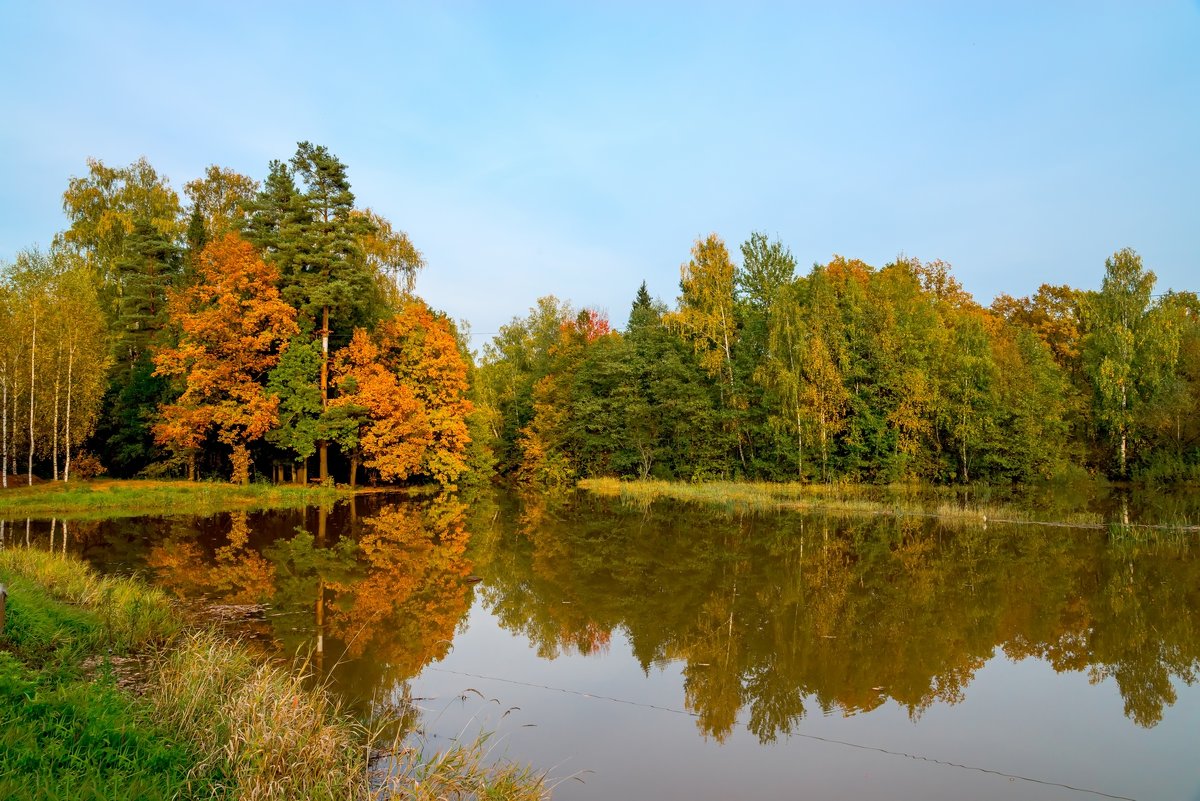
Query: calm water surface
(679, 652)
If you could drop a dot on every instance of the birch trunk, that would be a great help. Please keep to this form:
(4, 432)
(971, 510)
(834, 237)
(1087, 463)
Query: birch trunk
(54, 438)
(67, 436)
(4, 416)
(32, 384)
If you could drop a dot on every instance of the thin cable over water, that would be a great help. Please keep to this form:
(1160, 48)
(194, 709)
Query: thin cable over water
(916, 757)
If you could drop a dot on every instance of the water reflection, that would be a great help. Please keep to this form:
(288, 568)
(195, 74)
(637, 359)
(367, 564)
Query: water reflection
(370, 592)
(771, 617)
(779, 616)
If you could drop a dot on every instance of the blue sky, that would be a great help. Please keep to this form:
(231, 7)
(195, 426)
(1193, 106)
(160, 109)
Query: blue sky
(577, 149)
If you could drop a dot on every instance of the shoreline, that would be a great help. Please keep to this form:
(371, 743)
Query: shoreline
(147, 705)
(108, 498)
(857, 500)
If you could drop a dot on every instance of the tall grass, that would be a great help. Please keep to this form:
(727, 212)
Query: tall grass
(836, 499)
(131, 615)
(463, 771)
(891, 501)
(251, 729)
(830, 499)
(272, 736)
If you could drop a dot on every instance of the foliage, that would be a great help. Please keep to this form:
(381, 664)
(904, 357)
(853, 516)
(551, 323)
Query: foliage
(850, 373)
(420, 348)
(382, 420)
(233, 325)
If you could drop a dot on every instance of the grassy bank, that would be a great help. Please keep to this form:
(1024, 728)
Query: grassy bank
(831, 499)
(117, 498)
(106, 694)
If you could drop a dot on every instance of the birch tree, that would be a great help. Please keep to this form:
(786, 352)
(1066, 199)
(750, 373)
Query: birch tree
(1132, 346)
(7, 359)
(707, 315)
(82, 361)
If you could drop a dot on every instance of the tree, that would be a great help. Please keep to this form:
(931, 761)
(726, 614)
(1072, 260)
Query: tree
(1131, 348)
(513, 362)
(316, 241)
(221, 200)
(707, 316)
(76, 335)
(803, 368)
(421, 349)
(376, 418)
(767, 267)
(233, 325)
(706, 306)
(103, 209)
(31, 278)
(967, 388)
(390, 255)
(294, 381)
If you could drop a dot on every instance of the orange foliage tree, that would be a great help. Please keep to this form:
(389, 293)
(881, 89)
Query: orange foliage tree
(376, 419)
(419, 347)
(232, 325)
(414, 593)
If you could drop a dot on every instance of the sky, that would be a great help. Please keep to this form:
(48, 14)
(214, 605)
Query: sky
(580, 148)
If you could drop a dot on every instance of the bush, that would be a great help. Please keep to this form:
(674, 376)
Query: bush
(85, 466)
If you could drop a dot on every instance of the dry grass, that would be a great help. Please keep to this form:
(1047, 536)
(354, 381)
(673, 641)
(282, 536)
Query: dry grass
(465, 771)
(830, 499)
(272, 737)
(263, 731)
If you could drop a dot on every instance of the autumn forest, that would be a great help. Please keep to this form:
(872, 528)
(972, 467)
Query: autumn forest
(269, 330)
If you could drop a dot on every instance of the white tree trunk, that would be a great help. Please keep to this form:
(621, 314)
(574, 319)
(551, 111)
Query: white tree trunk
(4, 417)
(57, 388)
(67, 436)
(32, 384)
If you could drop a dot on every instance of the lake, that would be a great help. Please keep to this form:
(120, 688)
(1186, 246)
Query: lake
(674, 651)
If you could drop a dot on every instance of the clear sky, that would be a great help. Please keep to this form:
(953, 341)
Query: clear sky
(577, 149)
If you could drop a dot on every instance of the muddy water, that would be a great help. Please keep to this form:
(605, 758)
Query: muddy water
(680, 652)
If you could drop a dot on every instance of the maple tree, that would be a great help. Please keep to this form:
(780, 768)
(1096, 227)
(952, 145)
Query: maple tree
(419, 347)
(233, 325)
(375, 418)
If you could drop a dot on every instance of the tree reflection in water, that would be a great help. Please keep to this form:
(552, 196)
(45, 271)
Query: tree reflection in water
(370, 599)
(779, 614)
(772, 617)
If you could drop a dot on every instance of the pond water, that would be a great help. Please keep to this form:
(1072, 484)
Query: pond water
(675, 651)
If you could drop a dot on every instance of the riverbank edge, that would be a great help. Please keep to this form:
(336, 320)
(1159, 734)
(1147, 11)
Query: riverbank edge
(107, 498)
(853, 500)
(251, 729)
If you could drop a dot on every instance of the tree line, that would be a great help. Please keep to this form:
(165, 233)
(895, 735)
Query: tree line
(850, 372)
(254, 328)
(270, 328)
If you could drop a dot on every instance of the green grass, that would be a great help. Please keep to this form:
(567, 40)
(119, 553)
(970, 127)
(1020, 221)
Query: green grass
(212, 719)
(104, 498)
(64, 733)
(899, 500)
(835, 499)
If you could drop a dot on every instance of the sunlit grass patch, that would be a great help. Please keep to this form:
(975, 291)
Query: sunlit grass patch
(116, 498)
(831, 499)
(128, 613)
